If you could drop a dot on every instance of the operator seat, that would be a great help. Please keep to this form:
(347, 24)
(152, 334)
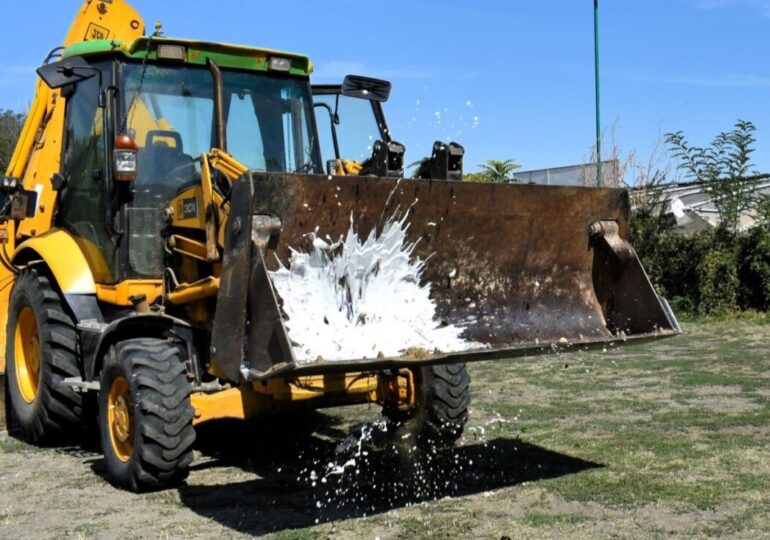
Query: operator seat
(158, 159)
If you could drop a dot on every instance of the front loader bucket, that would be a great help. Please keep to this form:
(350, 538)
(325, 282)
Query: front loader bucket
(479, 271)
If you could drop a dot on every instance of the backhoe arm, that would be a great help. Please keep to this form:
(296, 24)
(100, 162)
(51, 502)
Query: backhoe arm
(111, 19)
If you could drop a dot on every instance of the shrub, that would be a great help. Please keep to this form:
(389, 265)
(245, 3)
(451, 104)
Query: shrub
(753, 255)
(718, 283)
(673, 262)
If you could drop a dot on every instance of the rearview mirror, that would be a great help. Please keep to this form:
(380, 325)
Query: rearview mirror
(64, 72)
(366, 88)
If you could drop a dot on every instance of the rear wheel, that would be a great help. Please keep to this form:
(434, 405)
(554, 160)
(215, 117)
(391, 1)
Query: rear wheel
(41, 352)
(145, 415)
(440, 411)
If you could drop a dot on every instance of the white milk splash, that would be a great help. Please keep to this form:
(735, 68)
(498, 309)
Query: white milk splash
(357, 298)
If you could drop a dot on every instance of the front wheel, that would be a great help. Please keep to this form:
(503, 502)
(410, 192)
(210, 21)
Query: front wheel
(41, 351)
(440, 411)
(145, 415)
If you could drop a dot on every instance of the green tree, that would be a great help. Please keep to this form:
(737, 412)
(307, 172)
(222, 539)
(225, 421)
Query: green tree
(724, 167)
(495, 171)
(10, 127)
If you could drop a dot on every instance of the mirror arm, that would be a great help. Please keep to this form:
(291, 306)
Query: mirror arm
(382, 123)
(334, 119)
(70, 72)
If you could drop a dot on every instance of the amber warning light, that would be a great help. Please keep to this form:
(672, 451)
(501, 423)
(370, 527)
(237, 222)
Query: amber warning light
(126, 152)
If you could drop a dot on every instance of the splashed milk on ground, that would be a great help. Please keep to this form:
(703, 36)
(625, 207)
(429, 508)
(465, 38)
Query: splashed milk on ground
(357, 298)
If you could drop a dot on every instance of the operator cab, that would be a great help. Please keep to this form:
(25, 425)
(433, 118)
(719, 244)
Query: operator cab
(168, 102)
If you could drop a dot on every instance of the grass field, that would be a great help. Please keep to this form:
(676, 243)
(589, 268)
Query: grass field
(669, 439)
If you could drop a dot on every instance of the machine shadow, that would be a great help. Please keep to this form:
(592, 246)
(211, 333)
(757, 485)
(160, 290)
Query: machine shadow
(291, 458)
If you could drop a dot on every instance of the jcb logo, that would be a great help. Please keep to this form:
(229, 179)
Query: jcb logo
(189, 208)
(96, 32)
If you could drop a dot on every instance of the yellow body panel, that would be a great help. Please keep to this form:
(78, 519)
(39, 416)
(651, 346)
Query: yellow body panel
(26, 137)
(105, 20)
(235, 403)
(250, 401)
(183, 214)
(44, 161)
(65, 259)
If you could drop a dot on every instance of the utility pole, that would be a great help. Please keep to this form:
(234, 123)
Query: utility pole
(598, 101)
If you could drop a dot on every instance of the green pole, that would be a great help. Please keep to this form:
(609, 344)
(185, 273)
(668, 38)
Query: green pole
(598, 101)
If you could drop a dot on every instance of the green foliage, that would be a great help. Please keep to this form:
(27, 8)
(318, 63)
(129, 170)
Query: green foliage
(476, 177)
(10, 127)
(681, 262)
(724, 167)
(710, 273)
(753, 254)
(762, 208)
(718, 280)
(715, 272)
(495, 171)
(647, 229)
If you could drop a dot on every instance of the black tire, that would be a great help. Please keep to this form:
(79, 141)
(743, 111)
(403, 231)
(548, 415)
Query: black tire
(161, 434)
(441, 409)
(50, 412)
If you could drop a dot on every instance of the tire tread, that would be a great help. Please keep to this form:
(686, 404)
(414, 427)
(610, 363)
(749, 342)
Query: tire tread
(164, 436)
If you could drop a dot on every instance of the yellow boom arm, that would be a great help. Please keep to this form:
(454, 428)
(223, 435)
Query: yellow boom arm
(111, 19)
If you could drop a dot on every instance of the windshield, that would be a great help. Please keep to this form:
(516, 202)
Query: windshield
(170, 115)
(171, 118)
(357, 130)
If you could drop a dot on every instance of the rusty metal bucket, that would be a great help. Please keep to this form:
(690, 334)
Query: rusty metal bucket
(533, 267)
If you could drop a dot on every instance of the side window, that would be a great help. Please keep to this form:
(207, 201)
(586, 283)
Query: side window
(356, 132)
(81, 209)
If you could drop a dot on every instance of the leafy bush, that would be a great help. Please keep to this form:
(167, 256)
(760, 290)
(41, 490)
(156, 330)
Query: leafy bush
(10, 127)
(718, 283)
(753, 255)
(672, 261)
(724, 167)
(717, 271)
(712, 272)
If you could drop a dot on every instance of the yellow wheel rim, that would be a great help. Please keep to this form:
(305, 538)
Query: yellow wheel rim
(27, 355)
(120, 419)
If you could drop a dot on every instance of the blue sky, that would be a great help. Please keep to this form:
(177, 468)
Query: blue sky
(505, 78)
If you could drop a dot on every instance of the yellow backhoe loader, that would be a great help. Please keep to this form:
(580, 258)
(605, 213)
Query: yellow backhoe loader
(191, 231)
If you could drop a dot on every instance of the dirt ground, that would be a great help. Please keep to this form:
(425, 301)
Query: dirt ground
(668, 439)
